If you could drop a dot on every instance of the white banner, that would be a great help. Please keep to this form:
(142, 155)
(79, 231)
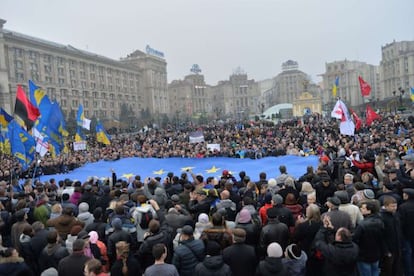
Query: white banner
(79, 145)
(213, 147)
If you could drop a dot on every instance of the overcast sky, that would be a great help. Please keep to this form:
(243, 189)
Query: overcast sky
(221, 35)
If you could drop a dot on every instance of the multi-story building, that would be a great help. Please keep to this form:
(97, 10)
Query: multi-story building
(72, 76)
(349, 89)
(239, 95)
(397, 69)
(289, 85)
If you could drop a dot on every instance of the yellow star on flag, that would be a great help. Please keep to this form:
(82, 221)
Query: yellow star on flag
(213, 170)
(128, 175)
(160, 172)
(187, 169)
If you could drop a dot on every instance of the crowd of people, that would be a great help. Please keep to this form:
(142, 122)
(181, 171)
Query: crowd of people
(351, 215)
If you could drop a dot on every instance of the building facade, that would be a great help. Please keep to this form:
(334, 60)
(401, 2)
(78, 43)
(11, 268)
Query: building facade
(397, 69)
(289, 85)
(72, 76)
(348, 88)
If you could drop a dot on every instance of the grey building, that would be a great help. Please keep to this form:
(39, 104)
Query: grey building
(397, 69)
(72, 76)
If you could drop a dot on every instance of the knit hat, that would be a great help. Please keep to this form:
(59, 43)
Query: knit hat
(369, 194)
(50, 272)
(244, 216)
(175, 198)
(116, 223)
(334, 200)
(203, 218)
(274, 250)
(83, 207)
(293, 251)
(187, 230)
(271, 183)
(277, 199)
(343, 196)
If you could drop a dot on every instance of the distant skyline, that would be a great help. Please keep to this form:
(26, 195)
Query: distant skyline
(220, 36)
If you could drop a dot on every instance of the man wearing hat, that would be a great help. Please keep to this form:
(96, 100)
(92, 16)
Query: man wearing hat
(406, 173)
(239, 256)
(406, 212)
(274, 231)
(188, 253)
(199, 203)
(351, 209)
(272, 264)
(338, 218)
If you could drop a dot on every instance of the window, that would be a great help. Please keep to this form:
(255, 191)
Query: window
(93, 85)
(83, 84)
(72, 73)
(47, 58)
(63, 103)
(33, 66)
(48, 69)
(19, 64)
(60, 60)
(86, 113)
(83, 65)
(48, 79)
(35, 75)
(72, 63)
(61, 81)
(64, 92)
(75, 93)
(103, 95)
(82, 75)
(111, 96)
(111, 104)
(104, 104)
(75, 103)
(86, 104)
(92, 67)
(73, 83)
(92, 76)
(18, 52)
(95, 104)
(61, 71)
(32, 55)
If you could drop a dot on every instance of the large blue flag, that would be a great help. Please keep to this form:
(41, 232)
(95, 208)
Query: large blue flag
(39, 98)
(22, 144)
(153, 167)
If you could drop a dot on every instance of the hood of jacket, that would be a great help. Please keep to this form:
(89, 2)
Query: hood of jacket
(213, 262)
(273, 264)
(85, 217)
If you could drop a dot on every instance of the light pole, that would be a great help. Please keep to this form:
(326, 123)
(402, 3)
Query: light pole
(395, 101)
(402, 91)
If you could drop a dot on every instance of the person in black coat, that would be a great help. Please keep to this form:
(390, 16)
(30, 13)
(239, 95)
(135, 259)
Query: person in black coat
(118, 235)
(274, 231)
(406, 213)
(369, 236)
(188, 253)
(239, 256)
(340, 257)
(244, 221)
(272, 265)
(52, 253)
(98, 224)
(391, 262)
(213, 263)
(73, 264)
(125, 264)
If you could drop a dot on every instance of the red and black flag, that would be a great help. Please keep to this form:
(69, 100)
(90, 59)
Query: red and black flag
(24, 110)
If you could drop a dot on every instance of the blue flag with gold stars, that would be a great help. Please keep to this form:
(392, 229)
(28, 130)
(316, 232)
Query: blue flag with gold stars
(153, 167)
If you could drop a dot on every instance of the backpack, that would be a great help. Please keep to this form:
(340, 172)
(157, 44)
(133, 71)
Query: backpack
(145, 219)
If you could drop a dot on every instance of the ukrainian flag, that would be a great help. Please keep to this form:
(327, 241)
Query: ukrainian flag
(39, 98)
(335, 87)
(101, 135)
(412, 94)
(79, 135)
(23, 145)
(5, 118)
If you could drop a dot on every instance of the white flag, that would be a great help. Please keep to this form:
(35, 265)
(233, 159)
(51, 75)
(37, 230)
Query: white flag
(42, 146)
(86, 123)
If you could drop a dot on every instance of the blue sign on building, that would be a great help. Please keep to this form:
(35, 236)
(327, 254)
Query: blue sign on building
(153, 52)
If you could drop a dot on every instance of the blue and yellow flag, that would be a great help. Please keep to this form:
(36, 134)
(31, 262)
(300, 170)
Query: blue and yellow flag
(39, 98)
(80, 117)
(335, 87)
(23, 145)
(5, 118)
(412, 94)
(79, 135)
(101, 135)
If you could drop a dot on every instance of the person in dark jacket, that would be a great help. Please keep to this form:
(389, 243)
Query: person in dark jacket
(98, 224)
(272, 264)
(199, 203)
(125, 264)
(188, 253)
(51, 255)
(11, 264)
(239, 256)
(213, 263)
(218, 233)
(244, 221)
(324, 189)
(391, 262)
(406, 212)
(369, 236)
(283, 214)
(118, 235)
(73, 264)
(274, 231)
(340, 257)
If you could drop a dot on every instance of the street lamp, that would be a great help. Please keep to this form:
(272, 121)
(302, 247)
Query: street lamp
(395, 101)
(402, 91)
